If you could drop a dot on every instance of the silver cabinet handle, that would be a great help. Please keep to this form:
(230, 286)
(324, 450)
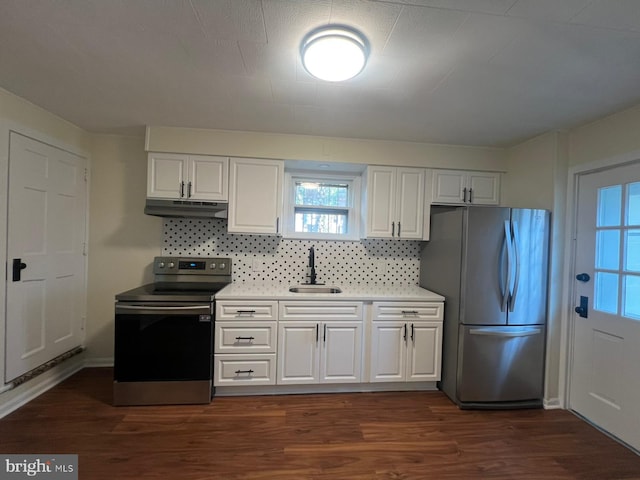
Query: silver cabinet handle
(398, 229)
(393, 229)
(470, 199)
(324, 335)
(181, 189)
(189, 190)
(464, 195)
(277, 224)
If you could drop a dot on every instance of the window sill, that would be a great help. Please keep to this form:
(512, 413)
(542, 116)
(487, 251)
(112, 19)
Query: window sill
(319, 236)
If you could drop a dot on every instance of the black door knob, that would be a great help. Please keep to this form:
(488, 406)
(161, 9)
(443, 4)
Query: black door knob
(18, 266)
(583, 277)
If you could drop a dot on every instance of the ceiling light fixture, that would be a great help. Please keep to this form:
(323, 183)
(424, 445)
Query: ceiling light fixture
(334, 53)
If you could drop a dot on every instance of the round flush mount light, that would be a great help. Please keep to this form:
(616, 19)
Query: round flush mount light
(334, 53)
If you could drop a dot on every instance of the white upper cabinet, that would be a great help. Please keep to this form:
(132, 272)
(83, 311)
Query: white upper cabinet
(255, 196)
(394, 202)
(465, 187)
(187, 177)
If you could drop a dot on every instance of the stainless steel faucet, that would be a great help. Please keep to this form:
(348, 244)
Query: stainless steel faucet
(311, 269)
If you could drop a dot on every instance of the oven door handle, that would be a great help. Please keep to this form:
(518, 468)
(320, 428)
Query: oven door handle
(163, 310)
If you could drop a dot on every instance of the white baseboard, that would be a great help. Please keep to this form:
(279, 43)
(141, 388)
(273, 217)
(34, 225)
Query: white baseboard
(15, 398)
(552, 404)
(230, 391)
(98, 362)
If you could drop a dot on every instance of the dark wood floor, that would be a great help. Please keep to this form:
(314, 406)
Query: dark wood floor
(320, 437)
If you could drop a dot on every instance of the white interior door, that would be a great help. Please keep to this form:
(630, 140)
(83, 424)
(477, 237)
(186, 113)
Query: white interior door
(45, 251)
(605, 369)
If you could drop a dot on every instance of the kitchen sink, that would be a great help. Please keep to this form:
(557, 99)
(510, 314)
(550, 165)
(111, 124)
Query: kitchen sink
(314, 289)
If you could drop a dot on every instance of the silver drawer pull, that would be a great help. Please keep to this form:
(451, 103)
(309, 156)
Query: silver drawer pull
(244, 338)
(238, 372)
(409, 312)
(247, 312)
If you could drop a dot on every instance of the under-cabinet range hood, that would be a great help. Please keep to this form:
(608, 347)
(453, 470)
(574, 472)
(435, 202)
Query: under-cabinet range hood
(185, 208)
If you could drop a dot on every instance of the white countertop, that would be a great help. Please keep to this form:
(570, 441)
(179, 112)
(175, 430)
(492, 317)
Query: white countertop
(372, 293)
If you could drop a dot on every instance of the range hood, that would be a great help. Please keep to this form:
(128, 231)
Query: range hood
(185, 208)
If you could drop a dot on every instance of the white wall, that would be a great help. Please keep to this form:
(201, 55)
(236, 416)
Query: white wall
(537, 178)
(122, 239)
(616, 135)
(324, 149)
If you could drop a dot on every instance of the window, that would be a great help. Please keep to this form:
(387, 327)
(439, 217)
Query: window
(617, 262)
(322, 206)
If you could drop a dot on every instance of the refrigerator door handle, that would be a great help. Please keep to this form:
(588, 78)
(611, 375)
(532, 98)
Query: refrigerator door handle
(492, 332)
(514, 292)
(507, 286)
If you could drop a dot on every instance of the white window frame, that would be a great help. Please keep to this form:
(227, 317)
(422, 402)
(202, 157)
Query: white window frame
(353, 210)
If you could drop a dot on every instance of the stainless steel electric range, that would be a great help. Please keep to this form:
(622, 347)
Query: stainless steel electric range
(164, 333)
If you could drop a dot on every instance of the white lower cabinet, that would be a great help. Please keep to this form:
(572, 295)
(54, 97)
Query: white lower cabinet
(245, 342)
(323, 342)
(319, 342)
(406, 342)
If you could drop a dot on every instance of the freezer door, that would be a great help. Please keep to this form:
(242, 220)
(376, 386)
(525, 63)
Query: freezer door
(501, 364)
(484, 266)
(527, 303)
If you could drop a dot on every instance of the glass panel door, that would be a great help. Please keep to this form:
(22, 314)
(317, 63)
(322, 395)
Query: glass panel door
(617, 255)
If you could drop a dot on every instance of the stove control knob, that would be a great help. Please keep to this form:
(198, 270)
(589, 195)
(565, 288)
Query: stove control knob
(222, 265)
(171, 264)
(161, 265)
(212, 266)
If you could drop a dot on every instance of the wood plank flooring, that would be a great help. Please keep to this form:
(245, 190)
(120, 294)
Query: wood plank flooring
(363, 436)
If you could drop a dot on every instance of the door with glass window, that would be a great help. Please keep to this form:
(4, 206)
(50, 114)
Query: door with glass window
(605, 368)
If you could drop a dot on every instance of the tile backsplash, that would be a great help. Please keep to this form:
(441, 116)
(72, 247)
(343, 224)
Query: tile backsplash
(274, 259)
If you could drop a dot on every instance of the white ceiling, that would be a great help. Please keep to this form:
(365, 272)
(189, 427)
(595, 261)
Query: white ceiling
(466, 72)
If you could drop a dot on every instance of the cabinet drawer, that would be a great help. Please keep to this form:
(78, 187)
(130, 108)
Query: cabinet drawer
(408, 311)
(258, 310)
(323, 310)
(246, 337)
(244, 369)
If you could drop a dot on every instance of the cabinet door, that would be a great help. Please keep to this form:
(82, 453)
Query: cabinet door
(298, 352)
(209, 178)
(410, 203)
(381, 188)
(388, 352)
(255, 196)
(448, 186)
(484, 188)
(424, 351)
(341, 358)
(166, 175)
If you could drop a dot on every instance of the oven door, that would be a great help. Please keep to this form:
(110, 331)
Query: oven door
(160, 342)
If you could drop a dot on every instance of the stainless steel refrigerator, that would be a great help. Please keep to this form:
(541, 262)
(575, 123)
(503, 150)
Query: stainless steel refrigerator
(491, 265)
